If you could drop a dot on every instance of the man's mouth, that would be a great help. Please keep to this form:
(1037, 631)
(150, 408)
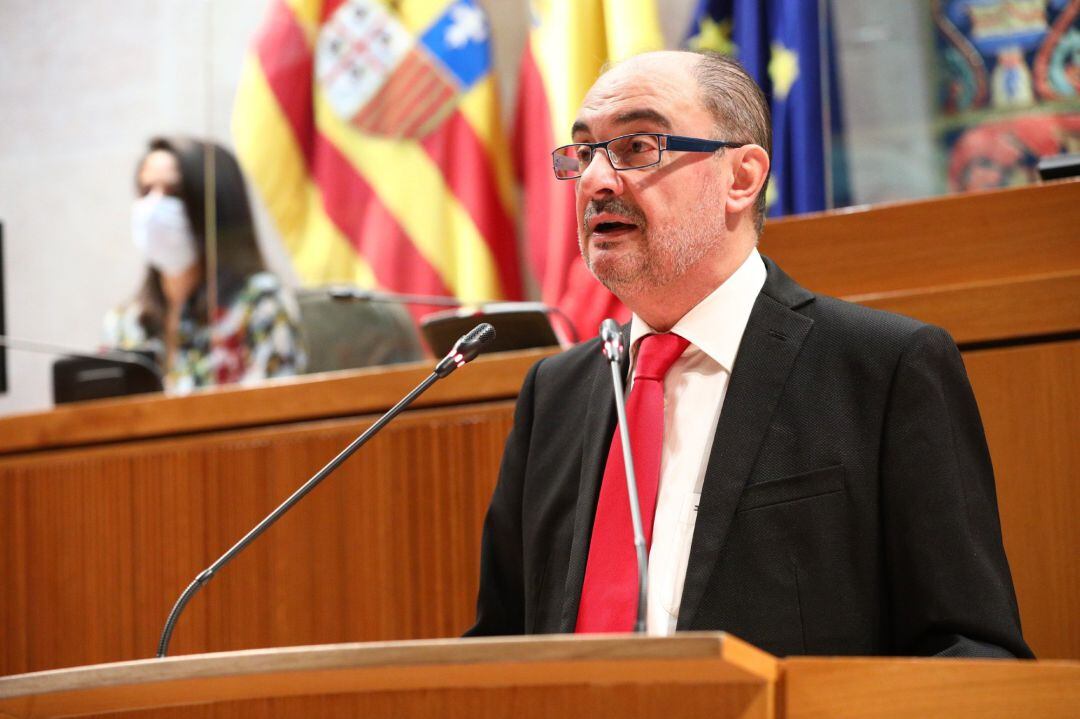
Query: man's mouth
(610, 226)
(605, 228)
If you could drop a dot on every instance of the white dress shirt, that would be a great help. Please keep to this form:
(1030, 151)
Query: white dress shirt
(694, 392)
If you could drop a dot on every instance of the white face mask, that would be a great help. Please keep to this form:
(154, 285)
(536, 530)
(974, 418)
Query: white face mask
(162, 233)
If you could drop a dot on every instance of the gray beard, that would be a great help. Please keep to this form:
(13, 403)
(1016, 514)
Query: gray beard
(664, 255)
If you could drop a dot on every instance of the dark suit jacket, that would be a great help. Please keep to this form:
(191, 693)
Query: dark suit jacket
(848, 505)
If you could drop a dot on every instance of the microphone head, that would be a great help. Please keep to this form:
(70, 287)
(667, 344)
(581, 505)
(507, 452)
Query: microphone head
(473, 341)
(611, 339)
(609, 330)
(466, 349)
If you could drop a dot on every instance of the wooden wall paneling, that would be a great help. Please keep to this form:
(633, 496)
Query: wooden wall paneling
(1029, 398)
(98, 543)
(859, 688)
(973, 237)
(984, 311)
(292, 399)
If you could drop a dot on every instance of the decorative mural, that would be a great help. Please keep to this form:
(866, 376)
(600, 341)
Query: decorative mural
(1009, 89)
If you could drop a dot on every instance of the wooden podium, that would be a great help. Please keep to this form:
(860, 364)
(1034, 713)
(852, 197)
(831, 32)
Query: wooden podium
(690, 675)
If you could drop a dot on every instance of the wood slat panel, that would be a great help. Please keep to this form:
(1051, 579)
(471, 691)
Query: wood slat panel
(984, 311)
(929, 689)
(333, 394)
(1029, 398)
(98, 543)
(975, 237)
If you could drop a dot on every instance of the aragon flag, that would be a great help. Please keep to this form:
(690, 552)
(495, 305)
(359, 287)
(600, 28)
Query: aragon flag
(569, 41)
(371, 131)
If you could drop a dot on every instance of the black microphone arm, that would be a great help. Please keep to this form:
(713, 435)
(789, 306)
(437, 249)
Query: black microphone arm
(359, 294)
(611, 342)
(466, 349)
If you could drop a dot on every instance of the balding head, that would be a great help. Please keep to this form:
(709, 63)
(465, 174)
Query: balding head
(724, 88)
(663, 234)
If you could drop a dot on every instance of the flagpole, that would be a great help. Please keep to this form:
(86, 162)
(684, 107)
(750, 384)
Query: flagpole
(209, 175)
(826, 94)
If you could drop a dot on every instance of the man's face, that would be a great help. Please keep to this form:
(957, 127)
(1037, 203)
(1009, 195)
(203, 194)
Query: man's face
(642, 230)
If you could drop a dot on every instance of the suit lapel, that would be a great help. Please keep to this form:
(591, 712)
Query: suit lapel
(774, 334)
(600, 420)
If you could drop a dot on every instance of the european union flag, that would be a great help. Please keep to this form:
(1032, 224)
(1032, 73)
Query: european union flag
(780, 44)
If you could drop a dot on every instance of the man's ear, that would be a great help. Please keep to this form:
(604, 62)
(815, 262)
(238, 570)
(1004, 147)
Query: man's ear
(750, 167)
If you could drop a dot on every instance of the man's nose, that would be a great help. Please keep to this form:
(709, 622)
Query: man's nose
(599, 177)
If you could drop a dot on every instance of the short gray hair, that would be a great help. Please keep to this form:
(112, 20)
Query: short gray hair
(739, 108)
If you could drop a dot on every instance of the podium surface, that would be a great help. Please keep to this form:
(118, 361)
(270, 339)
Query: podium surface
(618, 676)
(688, 675)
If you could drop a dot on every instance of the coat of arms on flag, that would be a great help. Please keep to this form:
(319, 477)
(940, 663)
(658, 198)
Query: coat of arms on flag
(351, 112)
(384, 80)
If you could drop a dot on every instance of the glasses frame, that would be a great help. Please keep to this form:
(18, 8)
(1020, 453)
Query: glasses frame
(677, 143)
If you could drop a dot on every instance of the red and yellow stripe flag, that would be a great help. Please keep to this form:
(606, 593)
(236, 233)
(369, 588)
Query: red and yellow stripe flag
(569, 42)
(371, 131)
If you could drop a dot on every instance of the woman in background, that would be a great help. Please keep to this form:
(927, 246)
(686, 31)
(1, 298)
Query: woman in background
(252, 334)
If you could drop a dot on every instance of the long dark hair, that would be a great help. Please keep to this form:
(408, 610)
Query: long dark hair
(238, 255)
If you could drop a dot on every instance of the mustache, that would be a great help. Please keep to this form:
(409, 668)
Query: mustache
(616, 206)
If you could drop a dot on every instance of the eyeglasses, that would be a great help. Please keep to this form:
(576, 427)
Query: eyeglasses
(628, 152)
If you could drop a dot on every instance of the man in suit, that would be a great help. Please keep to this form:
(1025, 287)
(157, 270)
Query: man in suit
(813, 474)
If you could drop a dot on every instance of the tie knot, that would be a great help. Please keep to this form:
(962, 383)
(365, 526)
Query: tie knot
(656, 354)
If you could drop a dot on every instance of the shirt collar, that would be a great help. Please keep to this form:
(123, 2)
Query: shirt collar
(716, 324)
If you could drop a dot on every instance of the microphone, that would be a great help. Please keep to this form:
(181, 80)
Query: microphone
(466, 349)
(611, 341)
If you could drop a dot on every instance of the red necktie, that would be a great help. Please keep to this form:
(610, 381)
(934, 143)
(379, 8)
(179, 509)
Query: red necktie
(610, 593)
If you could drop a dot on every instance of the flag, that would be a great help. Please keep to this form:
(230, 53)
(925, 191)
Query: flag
(779, 42)
(569, 41)
(371, 131)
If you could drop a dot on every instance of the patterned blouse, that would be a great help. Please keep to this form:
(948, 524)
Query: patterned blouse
(256, 337)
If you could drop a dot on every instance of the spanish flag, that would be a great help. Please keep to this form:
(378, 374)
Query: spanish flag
(371, 131)
(569, 42)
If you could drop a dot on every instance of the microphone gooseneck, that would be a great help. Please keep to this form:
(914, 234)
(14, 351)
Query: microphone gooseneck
(465, 350)
(611, 343)
(349, 293)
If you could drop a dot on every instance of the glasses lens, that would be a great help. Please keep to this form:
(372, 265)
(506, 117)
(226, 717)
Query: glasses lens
(571, 161)
(634, 151)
